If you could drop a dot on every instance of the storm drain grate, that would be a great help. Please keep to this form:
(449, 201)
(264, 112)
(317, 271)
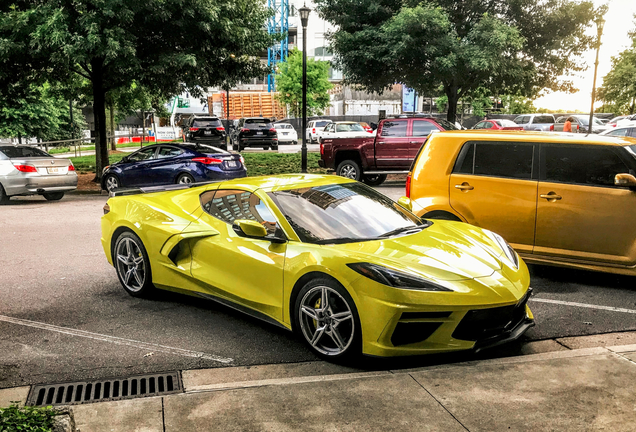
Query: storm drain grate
(105, 390)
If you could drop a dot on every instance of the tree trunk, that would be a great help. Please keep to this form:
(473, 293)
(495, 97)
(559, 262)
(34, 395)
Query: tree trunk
(453, 98)
(113, 141)
(99, 108)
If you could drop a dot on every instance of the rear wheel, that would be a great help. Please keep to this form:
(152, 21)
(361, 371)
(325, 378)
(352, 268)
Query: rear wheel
(132, 264)
(53, 196)
(4, 198)
(349, 169)
(374, 179)
(327, 319)
(185, 179)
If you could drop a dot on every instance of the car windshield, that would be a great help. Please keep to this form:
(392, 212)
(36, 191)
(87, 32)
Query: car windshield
(322, 123)
(343, 213)
(202, 148)
(349, 127)
(283, 126)
(506, 123)
(255, 121)
(445, 124)
(22, 152)
(206, 123)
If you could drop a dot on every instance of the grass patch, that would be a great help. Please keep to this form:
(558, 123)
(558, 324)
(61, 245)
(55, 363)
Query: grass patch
(25, 419)
(258, 164)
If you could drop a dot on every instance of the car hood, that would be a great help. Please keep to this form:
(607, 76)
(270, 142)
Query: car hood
(449, 251)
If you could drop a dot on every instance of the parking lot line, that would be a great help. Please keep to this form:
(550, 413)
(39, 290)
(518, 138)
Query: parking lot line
(584, 305)
(115, 340)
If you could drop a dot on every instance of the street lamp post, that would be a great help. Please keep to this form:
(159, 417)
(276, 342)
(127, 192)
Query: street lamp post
(304, 17)
(599, 26)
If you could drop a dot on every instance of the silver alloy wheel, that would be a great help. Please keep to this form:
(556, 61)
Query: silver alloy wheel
(130, 264)
(185, 179)
(349, 171)
(112, 183)
(326, 321)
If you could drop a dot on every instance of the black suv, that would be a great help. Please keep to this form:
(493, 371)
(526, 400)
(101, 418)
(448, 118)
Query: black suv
(204, 129)
(256, 132)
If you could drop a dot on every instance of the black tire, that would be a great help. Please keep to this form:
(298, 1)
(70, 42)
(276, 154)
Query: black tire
(347, 329)
(441, 215)
(133, 287)
(374, 179)
(275, 147)
(349, 169)
(53, 196)
(4, 198)
(185, 179)
(265, 147)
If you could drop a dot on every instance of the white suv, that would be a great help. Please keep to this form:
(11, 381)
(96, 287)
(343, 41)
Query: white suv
(313, 129)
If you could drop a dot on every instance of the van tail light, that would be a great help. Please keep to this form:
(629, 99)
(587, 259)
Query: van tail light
(551, 128)
(408, 185)
(72, 168)
(194, 129)
(313, 130)
(220, 128)
(25, 168)
(207, 160)
(322, 148)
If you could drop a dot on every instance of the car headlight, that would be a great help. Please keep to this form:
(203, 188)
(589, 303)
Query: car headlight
(394, 278)
(506, 248)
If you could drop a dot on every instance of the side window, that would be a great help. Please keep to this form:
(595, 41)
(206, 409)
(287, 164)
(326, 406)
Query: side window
(394, 128)
(587, 165)
(504, 160)
(423, 128)
(465, 160)
(518, 120)
(632, 132)
(619, 132)
(166, 152)
(229, 205)
(143, 155)
(479, 125)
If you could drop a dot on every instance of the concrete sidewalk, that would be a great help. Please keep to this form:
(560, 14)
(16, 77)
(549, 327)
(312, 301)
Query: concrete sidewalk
(585, 389)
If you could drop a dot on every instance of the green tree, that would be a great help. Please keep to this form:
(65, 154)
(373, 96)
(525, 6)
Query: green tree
(289, 84)
(619, 85)
(166, 46)
(505, 46)
(514, 104)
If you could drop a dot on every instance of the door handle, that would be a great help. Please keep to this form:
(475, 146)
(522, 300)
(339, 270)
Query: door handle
(415, 142)
(464, 187)
(381, 142)
(551, 196)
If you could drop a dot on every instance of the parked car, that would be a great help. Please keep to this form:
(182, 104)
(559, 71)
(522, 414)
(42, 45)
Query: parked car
(580, 124)
(162, 164)
(565, 200)
(613, 122)
(366, 127)
(391, 150)
(26, 170)
(256, 132)
(498, 124)
(313, 128)
(205, 129)
(335, 261)
(286, 133)
(621, 132)
(536, 122)
(342, 130)
(629, 120)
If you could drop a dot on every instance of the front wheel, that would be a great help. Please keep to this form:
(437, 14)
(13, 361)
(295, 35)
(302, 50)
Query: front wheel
(111, 183)
(327, 319)
(132, 264)
(349, 169)
(374, 179)
(53, 196)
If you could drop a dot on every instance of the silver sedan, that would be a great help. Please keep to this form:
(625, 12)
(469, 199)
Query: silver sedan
(26, 170)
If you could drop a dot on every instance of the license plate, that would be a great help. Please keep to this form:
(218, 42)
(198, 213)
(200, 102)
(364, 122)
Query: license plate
(207, 132)
(259, 133)
(56, 170)
(285, 133)
(231, 164)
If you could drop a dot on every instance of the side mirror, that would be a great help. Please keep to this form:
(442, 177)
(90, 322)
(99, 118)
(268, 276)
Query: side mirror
(249, 228)
(405, 202)
(625, 180)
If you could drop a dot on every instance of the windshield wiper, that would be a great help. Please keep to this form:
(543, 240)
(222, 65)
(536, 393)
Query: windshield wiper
(403, 230)
(343, 240)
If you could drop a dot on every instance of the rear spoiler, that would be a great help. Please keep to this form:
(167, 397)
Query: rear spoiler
(151, 189)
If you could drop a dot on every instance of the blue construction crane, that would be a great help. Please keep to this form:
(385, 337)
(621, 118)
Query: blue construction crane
(279, 23)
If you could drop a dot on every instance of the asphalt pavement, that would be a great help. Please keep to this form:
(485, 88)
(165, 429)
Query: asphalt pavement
(64, 315)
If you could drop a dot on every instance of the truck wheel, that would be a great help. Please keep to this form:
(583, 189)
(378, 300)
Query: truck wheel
(374, 179)
(349, 169)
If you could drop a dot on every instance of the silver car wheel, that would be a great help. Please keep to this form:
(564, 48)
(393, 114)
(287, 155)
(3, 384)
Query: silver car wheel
(349, 171)
(326, 321)
(112, 183)
(185, 179)
(130, 264)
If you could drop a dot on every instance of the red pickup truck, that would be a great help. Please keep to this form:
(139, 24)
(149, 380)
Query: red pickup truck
(390, 151)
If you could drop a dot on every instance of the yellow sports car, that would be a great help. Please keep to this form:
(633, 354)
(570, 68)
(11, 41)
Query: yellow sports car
(327, 257)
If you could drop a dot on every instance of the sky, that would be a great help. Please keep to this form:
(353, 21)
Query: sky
(618, 21)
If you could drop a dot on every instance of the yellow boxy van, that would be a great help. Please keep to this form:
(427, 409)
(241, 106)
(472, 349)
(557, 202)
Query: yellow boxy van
(558, 199)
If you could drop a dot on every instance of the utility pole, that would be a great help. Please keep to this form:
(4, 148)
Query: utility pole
(599, 26)
(304, 17)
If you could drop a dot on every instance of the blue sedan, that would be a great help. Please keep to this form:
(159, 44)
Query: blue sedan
(162, 164)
